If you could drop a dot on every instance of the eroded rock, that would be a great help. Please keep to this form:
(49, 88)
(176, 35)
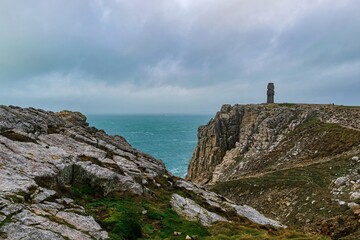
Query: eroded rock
(44, 154)
(41, 151)
(193, 211)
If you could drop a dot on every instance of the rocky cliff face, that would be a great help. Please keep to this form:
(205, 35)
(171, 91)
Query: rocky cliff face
(61, 179)
(249, 139)
(290, 157)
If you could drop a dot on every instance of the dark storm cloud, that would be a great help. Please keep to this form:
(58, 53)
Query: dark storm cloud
(177, 56)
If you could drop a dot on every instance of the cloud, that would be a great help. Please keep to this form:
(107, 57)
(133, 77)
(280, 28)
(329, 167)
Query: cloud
(168, 56)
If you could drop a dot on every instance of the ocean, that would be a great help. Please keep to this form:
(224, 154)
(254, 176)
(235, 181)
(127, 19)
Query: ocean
(171, 138)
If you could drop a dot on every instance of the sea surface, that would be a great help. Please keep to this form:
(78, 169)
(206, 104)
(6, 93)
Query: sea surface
(171, 138)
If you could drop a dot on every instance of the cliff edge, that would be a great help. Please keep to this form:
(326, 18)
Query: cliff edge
(298, 163)
(249, 139)
(62, 179)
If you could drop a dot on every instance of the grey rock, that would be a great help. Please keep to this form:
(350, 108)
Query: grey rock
(341, 181)
(82, 223)
(30, 219)
(224, 204)
(41, 152)
(43, 195)
(16, 231)
(355, 196)
(194, 212)
(12, 209)
(106, 179)
(65, 231)
(255, 216)
(252, 133)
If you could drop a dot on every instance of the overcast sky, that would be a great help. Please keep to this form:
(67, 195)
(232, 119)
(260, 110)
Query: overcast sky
(177, 56)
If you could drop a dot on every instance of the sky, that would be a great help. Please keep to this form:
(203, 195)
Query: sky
(177, 56)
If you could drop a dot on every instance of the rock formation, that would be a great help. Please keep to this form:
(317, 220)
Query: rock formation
(57, 175)
(259, 153)
(248, 139)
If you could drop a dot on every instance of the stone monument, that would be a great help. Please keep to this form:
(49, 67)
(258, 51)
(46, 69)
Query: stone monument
(270, 93)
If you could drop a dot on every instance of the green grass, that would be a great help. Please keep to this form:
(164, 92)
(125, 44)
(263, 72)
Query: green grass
(122, 217)
(348, 107)
(305, 188)
(316, 140)
(233, 231)
(4, 222)
(287, 104)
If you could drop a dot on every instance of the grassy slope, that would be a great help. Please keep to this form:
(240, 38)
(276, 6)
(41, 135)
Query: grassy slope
(316, 140)
(299, 196)
(122, 217)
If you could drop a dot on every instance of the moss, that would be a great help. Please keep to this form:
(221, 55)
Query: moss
(316, 140)
(347, 107)
(122, 216)
(305, 188)
(234, 231)
(5, 221)
(287, 104)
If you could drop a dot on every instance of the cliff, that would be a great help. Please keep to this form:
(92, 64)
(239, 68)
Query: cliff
(287, 156)
(61, 179)
(248, 139)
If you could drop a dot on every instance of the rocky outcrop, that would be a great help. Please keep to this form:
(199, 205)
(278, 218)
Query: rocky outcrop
(44, 151)
(45, 155)
(296, 163)
(192, 210)
(249, 139)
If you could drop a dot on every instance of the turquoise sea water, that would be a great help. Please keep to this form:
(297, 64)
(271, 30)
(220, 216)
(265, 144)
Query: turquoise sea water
(171, 138)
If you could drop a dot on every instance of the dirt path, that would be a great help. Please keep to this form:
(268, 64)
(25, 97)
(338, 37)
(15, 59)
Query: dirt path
(299, 165)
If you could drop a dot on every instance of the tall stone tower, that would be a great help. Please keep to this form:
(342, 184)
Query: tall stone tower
(270, 93)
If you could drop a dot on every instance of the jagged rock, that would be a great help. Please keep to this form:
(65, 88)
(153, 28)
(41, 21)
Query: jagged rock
(43, 195)
(44, 153)
(82, 223)
(12, 209)
(354, 207)
(40, 150)
(246, 139)
(224, 204)
(255, 216)
(287, 160)
(17, 231)
(355, 196)
(341, 181)
(106, 179)
(193, 211)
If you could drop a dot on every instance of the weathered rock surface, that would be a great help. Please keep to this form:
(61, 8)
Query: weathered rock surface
(189, 208)
(296, 163)
(248, 139)
(42, 153)
(193, 211)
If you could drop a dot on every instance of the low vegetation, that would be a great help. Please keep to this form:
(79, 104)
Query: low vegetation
(151, 217)
(299, 196)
